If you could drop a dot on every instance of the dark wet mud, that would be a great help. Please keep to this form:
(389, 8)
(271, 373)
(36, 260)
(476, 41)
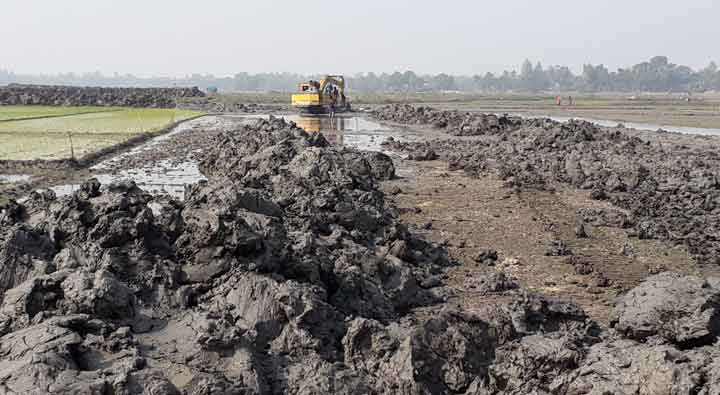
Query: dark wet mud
(287, 270)
(669, 184)
(169, 163)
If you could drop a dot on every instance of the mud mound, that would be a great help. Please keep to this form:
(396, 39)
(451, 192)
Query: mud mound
(210, 104)
(455, 123)
(671, 191)
(286, 272)
(683, 310)
(265, 266)
(50, 95)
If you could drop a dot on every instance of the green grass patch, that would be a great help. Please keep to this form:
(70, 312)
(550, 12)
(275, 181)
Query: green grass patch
(23, 112)
(47, 138)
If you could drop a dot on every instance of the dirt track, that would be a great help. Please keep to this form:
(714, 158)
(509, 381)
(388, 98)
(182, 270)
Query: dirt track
(477, 209)
(471, 215)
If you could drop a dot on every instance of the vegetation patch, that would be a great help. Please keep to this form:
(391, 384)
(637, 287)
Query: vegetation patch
(63, 137)
(9, 113)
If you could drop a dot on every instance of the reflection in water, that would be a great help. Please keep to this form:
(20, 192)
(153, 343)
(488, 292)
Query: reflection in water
(354, 132)
(332, 128)
(170, 176)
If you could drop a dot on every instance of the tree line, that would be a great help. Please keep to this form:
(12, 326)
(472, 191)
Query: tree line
(655, 75)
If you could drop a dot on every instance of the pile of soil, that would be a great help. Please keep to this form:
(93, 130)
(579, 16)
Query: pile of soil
(288, 272)
(52, 95)
(211, 104)
(672, 191)
(455, 123)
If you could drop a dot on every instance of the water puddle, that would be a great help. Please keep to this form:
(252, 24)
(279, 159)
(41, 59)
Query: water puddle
(64, 190)
(349, 131)
(170, 177)
(13, 178)
(163, 177)
(353, 132)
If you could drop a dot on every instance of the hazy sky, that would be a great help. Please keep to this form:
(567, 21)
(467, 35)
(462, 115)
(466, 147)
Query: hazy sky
(178, 37)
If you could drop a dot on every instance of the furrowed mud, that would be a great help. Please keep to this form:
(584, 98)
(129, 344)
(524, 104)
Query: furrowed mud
(292, 270)
(669, 188)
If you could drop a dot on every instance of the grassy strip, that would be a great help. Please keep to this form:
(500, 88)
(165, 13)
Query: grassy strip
(50, 138)
(13, 113)
(91, 158)
(127, 121)
(53, 116)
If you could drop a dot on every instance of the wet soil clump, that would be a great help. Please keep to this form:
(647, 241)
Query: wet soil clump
(54, 95)
(455, 123)
(671, 191)
(215, 104)
(288, 272)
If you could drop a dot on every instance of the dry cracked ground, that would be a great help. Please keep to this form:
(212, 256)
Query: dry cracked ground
(497, 256)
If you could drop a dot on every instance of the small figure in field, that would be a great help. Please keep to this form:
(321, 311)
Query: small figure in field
(558, 101)
(570, 101)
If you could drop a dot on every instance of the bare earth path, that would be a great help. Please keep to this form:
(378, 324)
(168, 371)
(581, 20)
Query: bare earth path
(472, 215)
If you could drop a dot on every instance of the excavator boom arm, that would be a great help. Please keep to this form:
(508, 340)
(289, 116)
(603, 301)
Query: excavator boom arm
(336, 80)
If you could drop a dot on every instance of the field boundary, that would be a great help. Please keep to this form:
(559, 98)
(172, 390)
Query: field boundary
(90, 159)
(56, 116)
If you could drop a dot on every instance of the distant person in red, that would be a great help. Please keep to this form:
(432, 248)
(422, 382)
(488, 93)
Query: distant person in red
(558, 101)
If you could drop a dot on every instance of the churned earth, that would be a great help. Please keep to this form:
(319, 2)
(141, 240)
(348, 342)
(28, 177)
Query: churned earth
(481, 255)
(476, 211)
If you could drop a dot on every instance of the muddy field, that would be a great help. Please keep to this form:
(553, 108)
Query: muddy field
(666, 111)
(407, 251)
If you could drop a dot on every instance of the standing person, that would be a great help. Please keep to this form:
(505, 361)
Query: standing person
(558, 100)
(570, 101)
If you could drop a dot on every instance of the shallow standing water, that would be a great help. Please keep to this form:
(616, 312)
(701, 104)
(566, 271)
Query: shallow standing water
(172, 176)
(10, 178)
(347, 130)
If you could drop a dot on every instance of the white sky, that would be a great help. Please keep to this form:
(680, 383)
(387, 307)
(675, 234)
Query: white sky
(179, 37)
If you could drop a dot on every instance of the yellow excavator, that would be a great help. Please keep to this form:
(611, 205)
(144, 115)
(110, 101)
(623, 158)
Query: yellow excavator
(326, 96)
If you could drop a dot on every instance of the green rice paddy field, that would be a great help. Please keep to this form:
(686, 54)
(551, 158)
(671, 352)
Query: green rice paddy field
(37, 132)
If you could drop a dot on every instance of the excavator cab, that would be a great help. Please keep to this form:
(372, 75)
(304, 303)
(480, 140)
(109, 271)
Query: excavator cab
(326, 96)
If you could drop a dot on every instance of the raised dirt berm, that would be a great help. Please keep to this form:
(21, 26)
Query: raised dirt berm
(55, 95)
(288, 272)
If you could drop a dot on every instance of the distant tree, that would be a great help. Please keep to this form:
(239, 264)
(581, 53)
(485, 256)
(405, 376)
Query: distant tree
(412, 81)
(486, 83)
(708, 78)
(656, 75)
(527, 75)
(560, 78)
(442, 82)
(540, 80)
